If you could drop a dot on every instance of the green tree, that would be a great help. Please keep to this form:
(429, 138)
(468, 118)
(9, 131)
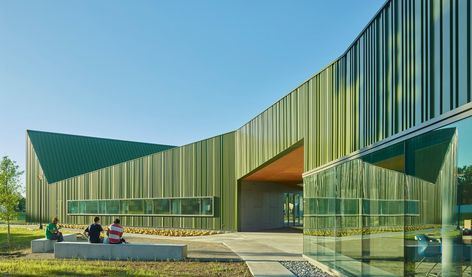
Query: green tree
(9, 191)
(465, 184)
(22, 204)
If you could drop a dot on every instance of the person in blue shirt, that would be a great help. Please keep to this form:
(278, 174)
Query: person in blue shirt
(94, 230)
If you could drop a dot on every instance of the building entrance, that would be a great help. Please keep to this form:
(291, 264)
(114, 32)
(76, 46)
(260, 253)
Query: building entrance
(271, 197)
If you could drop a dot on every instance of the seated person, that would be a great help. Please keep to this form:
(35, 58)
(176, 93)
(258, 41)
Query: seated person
(52, 231)
(115, 233)
(94, 230)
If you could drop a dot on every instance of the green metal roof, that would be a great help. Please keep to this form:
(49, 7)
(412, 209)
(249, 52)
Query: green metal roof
(64, 156)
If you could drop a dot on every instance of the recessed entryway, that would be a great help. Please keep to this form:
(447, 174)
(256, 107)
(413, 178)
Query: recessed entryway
(271, 196)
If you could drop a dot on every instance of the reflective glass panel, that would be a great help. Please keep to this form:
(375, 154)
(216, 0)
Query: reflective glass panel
(148, 206)
(72, 207)
(102, 207)
(124, 207)
(113, 206)
(91, 207)
(135, 206)
(82, 207)
(207, 206)
(161, 206)
(175, 203)
(190, 206)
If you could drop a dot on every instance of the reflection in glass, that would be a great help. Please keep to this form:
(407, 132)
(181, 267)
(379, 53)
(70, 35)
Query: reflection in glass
(82, 207)
(72, 207)
(161, 206)
(102, 207)
(207, 206)
(91, 207)
(190, 206)
(135, 206)
(148, 206)
(175, 206)
(124, 207)
(113, 206)
(397, 211)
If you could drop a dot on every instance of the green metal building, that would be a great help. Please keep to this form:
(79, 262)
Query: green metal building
(379, 142)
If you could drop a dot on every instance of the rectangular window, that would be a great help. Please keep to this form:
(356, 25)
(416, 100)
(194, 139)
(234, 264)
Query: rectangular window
(161, 206)
(82, 207)
(91, 207)
(113, 207)
(73, 207)
(207, 206)
(190, 206)
(148, 206)
(135, 206)
(186, 206)
(175, 206)
(124, 207)
(102, 207)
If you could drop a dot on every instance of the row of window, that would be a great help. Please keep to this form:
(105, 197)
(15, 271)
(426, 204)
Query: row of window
(351, 206)
(195, 206)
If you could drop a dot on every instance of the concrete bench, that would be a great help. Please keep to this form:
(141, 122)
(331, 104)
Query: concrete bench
(136, 252)
(47, 245)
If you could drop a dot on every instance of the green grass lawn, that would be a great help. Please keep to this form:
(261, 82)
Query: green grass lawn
(12, 264)
(21, 237)
(25, 267)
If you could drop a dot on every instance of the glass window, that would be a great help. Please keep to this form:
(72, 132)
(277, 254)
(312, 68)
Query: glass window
(190, 206)
(124, 207)
(325, 206)
(411, 207)
(175, 203)
(82, 207)
(347, 206)
(148, 206)
(165, 206)
(207, 206)
(102, 207)
(161, 206)
(72, 207)
(113, 206)
(91, 207)
(135, 206)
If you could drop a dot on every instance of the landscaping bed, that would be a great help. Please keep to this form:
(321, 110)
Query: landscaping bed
(155, 231)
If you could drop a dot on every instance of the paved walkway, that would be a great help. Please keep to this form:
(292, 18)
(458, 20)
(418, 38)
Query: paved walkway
(262, 251)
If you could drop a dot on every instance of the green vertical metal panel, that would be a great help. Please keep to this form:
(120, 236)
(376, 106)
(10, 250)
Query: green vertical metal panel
(409, 65)
(204, 168)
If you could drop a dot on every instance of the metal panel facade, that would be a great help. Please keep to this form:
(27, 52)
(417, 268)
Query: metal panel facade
(409, 65)
(204, 168)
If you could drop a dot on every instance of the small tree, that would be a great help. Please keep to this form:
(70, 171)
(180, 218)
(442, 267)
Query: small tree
(9, 191)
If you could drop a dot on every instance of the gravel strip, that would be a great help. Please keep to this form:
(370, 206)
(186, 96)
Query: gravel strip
(304, 269)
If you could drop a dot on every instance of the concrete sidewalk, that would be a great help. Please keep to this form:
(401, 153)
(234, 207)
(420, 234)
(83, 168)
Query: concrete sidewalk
(261, 251)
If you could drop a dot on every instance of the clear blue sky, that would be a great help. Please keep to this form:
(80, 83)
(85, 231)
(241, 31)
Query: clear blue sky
(169, 72)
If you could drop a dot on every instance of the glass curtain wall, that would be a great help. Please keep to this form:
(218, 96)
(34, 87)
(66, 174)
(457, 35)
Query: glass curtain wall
(400, 211)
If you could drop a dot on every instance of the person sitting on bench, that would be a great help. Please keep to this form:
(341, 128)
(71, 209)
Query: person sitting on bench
(52, 231)
(115, 233)
(94, 230)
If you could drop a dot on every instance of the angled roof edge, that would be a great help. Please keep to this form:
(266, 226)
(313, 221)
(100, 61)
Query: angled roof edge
(63, 156)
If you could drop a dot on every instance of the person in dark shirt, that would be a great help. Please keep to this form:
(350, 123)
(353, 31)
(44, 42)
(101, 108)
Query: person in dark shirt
(94, 230)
